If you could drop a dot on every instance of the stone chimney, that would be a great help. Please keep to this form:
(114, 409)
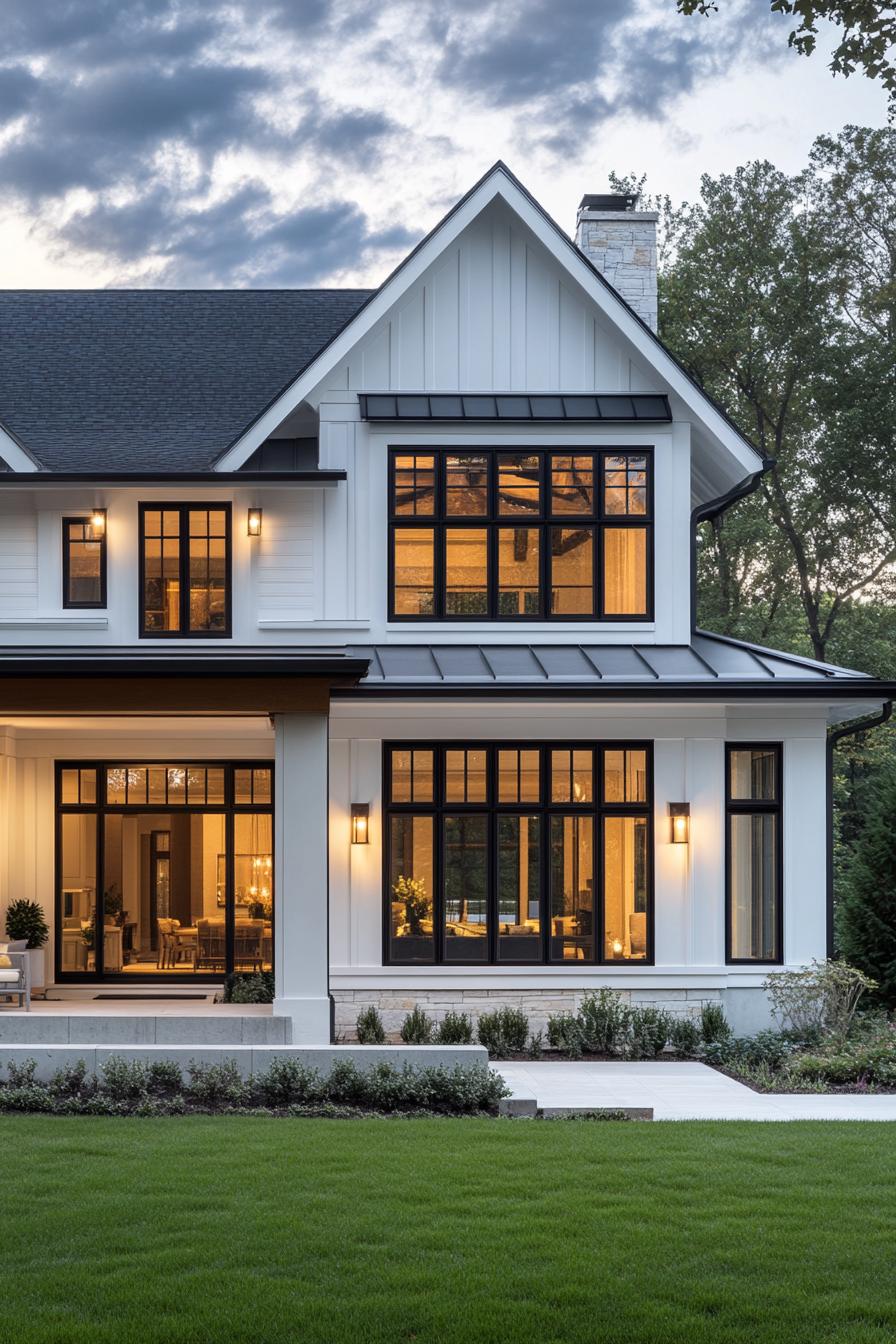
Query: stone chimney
(620, 240)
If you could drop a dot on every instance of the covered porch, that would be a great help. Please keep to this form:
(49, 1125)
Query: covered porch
(174, 831)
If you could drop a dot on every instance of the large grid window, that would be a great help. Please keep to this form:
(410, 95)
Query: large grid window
(754, 871)
(518, 854)
(514, 535)
(184, 570)
(83, 563)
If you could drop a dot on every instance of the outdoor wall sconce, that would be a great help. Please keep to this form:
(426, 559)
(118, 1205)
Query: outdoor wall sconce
(680, 817)
(360, 819)
(98, 524)
(253, 523)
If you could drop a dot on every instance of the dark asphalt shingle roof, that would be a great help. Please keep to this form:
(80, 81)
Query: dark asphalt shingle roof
(154, 380)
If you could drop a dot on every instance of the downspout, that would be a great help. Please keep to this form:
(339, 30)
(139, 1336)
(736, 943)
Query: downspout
(834, 736)
(711, 509)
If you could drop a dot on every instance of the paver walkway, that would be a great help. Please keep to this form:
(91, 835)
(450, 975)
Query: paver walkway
(679, 1091)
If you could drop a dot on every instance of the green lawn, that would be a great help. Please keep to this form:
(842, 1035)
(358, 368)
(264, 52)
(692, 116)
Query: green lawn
(436, 1231)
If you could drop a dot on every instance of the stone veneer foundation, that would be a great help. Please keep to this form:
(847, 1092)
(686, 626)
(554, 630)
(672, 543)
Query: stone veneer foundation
(538, 1005)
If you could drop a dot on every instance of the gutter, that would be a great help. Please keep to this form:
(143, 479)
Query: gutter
(834, 736)
(711, 509)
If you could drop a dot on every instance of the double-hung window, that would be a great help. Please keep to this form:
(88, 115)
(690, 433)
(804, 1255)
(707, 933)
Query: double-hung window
(83, 563)
(495, 534)
(184, 570)
(753, 834)
(518, 854)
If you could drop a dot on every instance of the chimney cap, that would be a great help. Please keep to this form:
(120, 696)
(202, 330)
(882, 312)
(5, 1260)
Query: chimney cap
(610, 201)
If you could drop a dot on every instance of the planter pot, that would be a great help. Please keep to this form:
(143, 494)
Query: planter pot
(36, 958)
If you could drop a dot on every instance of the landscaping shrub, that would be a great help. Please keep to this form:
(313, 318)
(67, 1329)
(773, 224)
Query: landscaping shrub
(535, 1045)
(685, 1037)
(455, 1029)
(254, 988)
(821, 998)
(217, 1085)
(125, 1080)
(287, 1082)
(648, 1031)
(417, 1028)
(603, 1021)
(504, 1032)
(565, 1035)
(713, 1023)
(369, 1026)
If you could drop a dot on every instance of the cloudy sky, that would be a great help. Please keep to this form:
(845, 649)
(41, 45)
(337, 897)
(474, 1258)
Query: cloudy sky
(308, 142)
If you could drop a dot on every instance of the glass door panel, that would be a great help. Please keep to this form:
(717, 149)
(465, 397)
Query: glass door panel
(78, 874)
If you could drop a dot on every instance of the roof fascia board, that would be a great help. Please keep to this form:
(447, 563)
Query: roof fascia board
(327, 477)
(500, 183)
(15, 454)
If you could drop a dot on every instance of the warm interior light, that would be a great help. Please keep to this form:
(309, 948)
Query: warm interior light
(360, 818)
(253, 523)
(98, 523)
(680, 816)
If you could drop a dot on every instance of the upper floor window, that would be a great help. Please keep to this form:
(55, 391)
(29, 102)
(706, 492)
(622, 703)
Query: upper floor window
(517, 535)
(83, 562)
(185, 570)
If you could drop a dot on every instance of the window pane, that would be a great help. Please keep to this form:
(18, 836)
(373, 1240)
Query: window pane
(625, 484)
(753, 864)
(161, 572)
(625, 888)
(70, 792)
(519, 889)
(242, 786)
(754, 773)
(625, 776)
(572, 776)
(572, 484)
(412, 776)
(413, 485)
(137, 784)
(208, 570)
(466, 776)
(518, 483)
(177, 784)
(466, 571)
(466, 886)
(253, 878)
(158, 784)
(215, 785)
(88, 786)
(261, 785)
(84, 566)
(196, 786)
(414, 563)
(572, 888)
(116, 784)
(519, 779)
(572, 571)
(411, 936)
(625, 571)
(466, 485)
(518, 571)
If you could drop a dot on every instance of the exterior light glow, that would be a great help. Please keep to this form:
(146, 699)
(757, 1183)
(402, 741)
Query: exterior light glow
(98, 523)
(360, 819)
(680, 818)
(253, 522)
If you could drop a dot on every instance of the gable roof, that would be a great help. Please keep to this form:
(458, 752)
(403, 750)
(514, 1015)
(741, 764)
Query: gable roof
(499, 181)
(155, 380)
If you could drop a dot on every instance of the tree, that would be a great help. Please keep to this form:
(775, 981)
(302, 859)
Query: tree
(866, 917)
(867, 36)
(780, 298)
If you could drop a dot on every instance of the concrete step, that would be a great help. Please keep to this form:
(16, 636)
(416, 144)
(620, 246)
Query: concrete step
(37, 1028)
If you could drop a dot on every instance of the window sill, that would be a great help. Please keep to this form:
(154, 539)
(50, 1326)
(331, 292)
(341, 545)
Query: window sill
(60, 621)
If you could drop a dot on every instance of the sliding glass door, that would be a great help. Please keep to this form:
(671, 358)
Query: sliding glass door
(164, 870)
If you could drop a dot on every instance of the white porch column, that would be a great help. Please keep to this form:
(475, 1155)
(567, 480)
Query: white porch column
(301, 959)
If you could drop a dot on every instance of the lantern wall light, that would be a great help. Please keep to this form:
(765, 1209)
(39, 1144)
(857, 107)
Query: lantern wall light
(680, 820)
(98, 523)
(253, 522)
(360, 823)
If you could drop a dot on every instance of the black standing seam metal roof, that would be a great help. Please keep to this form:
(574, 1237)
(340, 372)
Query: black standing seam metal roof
(152, 380)
(709, 661)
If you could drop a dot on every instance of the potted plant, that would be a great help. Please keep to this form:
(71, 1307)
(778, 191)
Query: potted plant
(25, 919)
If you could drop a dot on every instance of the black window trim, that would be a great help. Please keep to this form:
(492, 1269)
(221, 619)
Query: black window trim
(750, 807)
(67, 604)
(101, 809)
(440, 807)
(599, 521)
(183, 509)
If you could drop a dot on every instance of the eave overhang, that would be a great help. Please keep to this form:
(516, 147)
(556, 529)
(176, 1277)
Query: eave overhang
(207, 478)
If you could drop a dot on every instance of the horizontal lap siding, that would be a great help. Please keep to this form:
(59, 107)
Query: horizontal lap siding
(286, 563)
(18, 562)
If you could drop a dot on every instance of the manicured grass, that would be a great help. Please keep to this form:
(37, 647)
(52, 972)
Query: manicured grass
(219, 1229)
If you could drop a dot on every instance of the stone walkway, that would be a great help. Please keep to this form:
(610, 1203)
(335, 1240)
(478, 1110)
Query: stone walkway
(678, 1091)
